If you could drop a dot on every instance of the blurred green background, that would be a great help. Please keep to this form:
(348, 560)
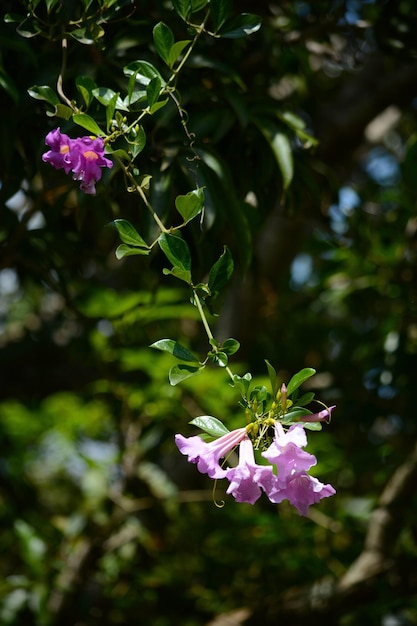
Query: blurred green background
(102, 521)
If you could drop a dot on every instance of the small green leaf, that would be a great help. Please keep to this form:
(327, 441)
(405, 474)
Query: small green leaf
(240, 26)
(174, 348)
(85, 86)
(142, 71)
(306, 398)
(177, 252)
(128, 233)
(299, 378)
(219, 12)
(176, 50)
(164, 40)
(272, 377)
(153, 90)
(61, 110)
(125, 250)
(220, 358)
(221, 272)
(210, 425)
(230, 346)
(191, 204)
(181, 372)
(87, 122)
(44, 93)
(136, 141)
(243, 382)
(281, 148)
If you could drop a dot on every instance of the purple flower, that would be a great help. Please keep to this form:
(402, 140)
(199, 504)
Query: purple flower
(286, 453)
(293, 483)
(302, 490)
(83, 156)
(59, 155)
(247, 479)
(88, 158)
(207, 455)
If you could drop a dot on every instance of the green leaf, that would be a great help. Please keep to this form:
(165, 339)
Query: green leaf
(272, 377)
(164, 40)
(230, 346)
(128, 233)
(177, 252)
(87, 122)
(61, 110)
(142, 71)
(176, 50)
(221, 272)
(306, 398)
(136, 141)
(174, 348)
(219, 12)
(109, 98)
(85, 86)
(125, 250)
(191, 204)
(240, 26)
(281, 148)
(242, 382)
(218, 357)
(153, 90)
(185, 8)
(28, 28)
(210, 425)
(44, 93)
(181, 372)
(299, 378)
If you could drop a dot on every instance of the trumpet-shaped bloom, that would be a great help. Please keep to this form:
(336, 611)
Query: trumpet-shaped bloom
(83, 156)
(88, 160)
(208, 455)
(286, 453)
(59, 154)
(302, 490)
(247, 479)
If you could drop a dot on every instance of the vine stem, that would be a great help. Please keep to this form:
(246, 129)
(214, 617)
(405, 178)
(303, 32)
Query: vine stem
(146, 202)
(208, 329)
(60, 79)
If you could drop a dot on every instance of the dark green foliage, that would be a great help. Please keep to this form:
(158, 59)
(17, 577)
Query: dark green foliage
(299, 240)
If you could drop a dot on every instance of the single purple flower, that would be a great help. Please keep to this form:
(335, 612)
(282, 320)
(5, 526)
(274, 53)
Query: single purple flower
(59, 155)
(302, 490)
(286, 453)
(208, 455)
(88, 159)
(247, 479)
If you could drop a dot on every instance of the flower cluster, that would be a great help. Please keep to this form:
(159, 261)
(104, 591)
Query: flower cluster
(289, 480)
(83, 156)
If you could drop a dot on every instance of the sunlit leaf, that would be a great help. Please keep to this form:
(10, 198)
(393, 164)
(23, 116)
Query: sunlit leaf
(87, 122)
(299, 378)
(125, 250)
(42, 92)
(191, 204)
(181, 372)
(174, 348)
(210, 425)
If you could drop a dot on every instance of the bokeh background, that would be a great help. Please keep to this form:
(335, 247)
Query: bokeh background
(102, 521)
